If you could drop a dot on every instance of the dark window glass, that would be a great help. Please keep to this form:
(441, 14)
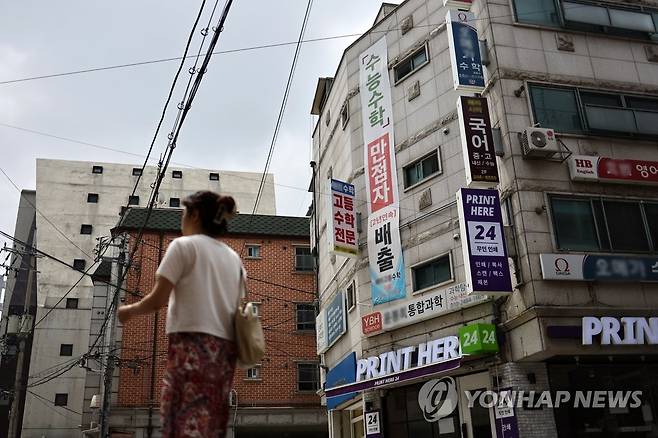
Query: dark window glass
(133, 200)
(79, 264)
(626, 226)
(214, 176)
(177, 174)
(97, 169)
(556, 108)
(434, 272)
(305, 317)
(174, 202)
(85, 229)
(253, 373)
(601, 225)
(71, 303)
(61, 399)
(411, 63)
(642, 103)
(137, 171)
(536, 12)
(66, 350)
(253, 251)
(601, 99)
(92, 198)
(351, 296)
(308, 377)
(574, 224)
(303, 258)
(651, 212)
(421, 169)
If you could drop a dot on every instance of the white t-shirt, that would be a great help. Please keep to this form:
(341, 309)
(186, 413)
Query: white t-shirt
(206, 277)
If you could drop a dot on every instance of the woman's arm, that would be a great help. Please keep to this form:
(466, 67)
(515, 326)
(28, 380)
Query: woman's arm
(150, 303)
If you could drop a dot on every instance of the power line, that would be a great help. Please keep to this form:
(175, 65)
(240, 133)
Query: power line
(48, 403)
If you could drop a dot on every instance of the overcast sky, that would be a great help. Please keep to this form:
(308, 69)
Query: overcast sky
(233, 117)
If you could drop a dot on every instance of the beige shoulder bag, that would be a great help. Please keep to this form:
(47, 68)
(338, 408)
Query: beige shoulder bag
(248, 330)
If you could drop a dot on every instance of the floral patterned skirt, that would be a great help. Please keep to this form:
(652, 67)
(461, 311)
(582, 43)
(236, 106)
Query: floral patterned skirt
(196, 385)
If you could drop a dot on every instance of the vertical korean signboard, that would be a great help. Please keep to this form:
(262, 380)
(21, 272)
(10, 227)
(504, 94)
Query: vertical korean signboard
(464, 48)
(384, 246)
(343, 237)
(483, 243)
(477, 142)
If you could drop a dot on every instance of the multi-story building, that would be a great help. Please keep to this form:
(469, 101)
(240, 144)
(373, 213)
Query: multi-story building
(78, 203)
(276, 398)
(572, 92)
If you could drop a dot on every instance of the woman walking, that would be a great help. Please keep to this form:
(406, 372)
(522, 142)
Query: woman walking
(200, 278)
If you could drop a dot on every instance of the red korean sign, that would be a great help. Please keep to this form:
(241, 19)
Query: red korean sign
(371, 323)
(604, 169)
(343, 217)
(380, 173)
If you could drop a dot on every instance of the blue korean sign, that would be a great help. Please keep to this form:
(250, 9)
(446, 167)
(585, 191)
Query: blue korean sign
(342, 374)
(336, 324)
(464, 50)
(483, 242)
(595, 267)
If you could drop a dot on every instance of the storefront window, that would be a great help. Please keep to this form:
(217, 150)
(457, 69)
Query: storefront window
(574, 224)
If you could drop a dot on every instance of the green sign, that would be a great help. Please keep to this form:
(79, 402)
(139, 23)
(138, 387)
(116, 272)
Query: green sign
(478, 339)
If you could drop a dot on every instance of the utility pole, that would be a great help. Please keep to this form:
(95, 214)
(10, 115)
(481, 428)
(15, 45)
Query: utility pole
(110, 337)
(25, 329)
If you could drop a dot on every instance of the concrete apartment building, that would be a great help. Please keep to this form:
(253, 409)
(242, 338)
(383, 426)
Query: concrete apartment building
(277, 398)
(572, 92)
(79, 202)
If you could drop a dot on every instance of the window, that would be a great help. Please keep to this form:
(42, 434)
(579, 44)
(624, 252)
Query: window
(603, 224)
(71, 303)
(589, 16)
(305, 316)
(92, 198)
(133, 200)
(253, 251)
(345, 114)
(137, 171)
(253, 373)
(422, 169)
(303, 259)
(177, 174)
(61, 399)
(97, 169)
(578, 111)
(214, 176)
(66, 350)
(79, 264)
(351, 296)
(411, 63)
(256, 308)
(308, 377)
(85, 229)
(432, 273)
(174, 202)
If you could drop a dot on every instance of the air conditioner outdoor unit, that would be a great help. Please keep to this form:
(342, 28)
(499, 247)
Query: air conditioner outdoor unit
(539, 143)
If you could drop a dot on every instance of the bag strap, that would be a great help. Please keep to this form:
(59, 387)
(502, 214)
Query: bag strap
(242, 293)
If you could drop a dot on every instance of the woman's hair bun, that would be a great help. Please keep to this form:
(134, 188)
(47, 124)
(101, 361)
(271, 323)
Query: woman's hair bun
(226, 209)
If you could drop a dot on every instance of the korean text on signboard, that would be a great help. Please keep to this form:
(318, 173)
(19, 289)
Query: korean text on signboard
(464, 47)
(483, 243)
(344, 236)
(611, 170)
(594, 267)
(386, 263)
(477, 142)
(335, 318)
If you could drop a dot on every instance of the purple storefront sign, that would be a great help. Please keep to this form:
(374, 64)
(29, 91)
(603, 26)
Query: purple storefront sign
(506, 422)
(483, 242)
(391, 379)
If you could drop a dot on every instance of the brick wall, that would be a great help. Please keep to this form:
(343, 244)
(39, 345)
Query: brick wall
(286, 346)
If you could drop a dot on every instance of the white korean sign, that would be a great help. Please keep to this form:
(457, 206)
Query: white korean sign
(384, 246)
(372, 423)
(343, 236)
(321, 332)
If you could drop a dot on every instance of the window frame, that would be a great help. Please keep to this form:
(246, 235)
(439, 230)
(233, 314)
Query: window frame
(137, 171)
(174, 206)
(177, 174)
(345, 114)
(429, 261)
(350, 306)
(97, 170)
(213, 176)
(58, 399)
(641, 202)
(70, 301)
(67, 346)
(92, 198)
(310, 307)
(84, 227)
(258, 377)
(316, 365)
(77, 262)
(253, 245)
(132, 198)
(415, 162)
(397, 80)
(304, 271)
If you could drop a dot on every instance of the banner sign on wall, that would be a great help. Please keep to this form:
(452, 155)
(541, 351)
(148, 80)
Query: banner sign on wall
(417, 309)
(331, 323)
(467, 71)
(321, 332)
(384, 247)
(611, 170)
(483, 243)
(595, 267)
(477, 142)
(344, 239)
(506, 423)
(342, 374)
